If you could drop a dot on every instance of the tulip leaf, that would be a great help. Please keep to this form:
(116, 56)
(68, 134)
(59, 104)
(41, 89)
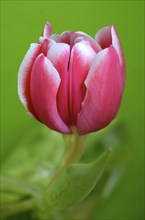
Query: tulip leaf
(38, 148)
(75, 183)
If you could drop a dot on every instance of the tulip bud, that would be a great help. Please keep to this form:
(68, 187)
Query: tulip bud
(72, 80)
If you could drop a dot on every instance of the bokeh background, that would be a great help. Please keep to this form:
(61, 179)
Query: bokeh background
(22, 23)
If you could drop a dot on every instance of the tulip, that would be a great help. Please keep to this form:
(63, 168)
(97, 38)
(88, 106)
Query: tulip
(72, 81)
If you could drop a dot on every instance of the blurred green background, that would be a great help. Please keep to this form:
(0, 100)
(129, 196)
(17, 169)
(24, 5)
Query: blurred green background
(22, 23)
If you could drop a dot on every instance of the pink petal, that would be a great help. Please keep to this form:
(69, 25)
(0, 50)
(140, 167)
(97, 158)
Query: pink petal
(107, 36)
(104, 91)
(117, 45)
(47, 30)
(67, 37)
(93, 43)
(70, 38)
(43, 39)
(103, 37)
(81, 59)
(44, 85)
(46, 44)
(55, 37)
(58, 54)
(24, 77)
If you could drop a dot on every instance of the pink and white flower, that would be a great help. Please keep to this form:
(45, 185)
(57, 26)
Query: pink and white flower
(72, 80)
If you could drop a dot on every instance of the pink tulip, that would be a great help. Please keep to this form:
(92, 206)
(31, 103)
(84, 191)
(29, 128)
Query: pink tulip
(72, 80)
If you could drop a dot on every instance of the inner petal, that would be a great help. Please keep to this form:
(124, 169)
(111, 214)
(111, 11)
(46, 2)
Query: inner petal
(103, 37)
(71, 38)
(81, 59)
(58, 54)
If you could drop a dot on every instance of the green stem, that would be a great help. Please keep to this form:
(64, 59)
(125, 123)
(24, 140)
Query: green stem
(74, 145)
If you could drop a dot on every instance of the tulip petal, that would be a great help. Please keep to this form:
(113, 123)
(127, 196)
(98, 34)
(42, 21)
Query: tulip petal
(117, 45)
(107, 36)
(70, 38)
(44, 85)
(93, 43)
(58, 54)
(104, 91)
(55, 37)
(103, 37)
(47, 30)
(24, 77)
(81, 59)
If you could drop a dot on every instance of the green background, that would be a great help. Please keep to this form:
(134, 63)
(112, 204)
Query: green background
(22, 23)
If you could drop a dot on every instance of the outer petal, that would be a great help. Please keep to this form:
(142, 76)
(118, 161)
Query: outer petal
(58, 54)
(43, 88)
(107, 36)
(81, 59)
(24, 77)
(117, 45)
(47, 30)
(104, 92)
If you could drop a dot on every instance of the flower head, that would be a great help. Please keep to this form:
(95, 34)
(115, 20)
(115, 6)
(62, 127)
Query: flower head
(72, 80)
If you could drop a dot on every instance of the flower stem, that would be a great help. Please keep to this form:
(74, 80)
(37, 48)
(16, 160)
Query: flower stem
(74, 145)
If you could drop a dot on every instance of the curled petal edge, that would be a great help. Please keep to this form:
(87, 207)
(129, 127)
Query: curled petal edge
(24, 75)
(108, 36)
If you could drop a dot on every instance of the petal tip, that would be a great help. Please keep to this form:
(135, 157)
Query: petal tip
(47, 29)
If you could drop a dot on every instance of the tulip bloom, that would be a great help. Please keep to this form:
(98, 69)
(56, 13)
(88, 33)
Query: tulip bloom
(72, 80)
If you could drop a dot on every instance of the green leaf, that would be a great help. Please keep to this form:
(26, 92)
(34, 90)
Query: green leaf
(7, 197)
(15, 186)
(75, 183)
(37, 149)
